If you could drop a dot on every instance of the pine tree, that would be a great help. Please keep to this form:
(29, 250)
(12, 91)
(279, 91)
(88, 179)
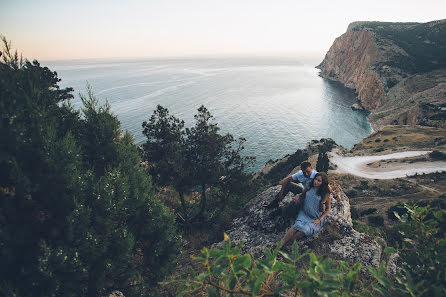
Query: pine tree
(78, 215)
(322, 160)
(194, 158)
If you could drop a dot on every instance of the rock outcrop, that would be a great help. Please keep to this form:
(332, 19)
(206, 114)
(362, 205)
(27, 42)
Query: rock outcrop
(337, 238)
(350, 61)
(372, 58)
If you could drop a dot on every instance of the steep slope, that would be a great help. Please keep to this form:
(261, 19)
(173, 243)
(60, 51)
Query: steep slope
(337, 239)
(380, 61)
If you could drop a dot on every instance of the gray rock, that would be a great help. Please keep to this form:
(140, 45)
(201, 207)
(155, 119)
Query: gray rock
(394, 265)
(337, 239)
(357, 106)
(116, 294)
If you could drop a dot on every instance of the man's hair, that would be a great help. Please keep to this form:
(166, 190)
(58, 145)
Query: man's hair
(304, 165)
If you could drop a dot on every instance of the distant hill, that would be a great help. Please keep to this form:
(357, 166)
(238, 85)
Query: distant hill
(398, 70)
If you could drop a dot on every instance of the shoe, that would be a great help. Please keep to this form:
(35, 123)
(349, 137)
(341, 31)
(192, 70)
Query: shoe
(275, 213)
(272, 204)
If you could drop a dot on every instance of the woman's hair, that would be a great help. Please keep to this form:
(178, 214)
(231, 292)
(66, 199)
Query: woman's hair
(323, 188)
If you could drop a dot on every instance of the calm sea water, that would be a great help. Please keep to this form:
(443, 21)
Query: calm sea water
(277, 104)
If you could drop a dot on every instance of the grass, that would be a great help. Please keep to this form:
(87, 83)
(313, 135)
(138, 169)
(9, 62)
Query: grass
(402, 138)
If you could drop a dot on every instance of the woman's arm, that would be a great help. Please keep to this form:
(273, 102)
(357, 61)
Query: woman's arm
(298, 199)
(327, 201)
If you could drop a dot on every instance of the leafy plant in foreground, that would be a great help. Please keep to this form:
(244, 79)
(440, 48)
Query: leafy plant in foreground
(226, 272)
(423, 253)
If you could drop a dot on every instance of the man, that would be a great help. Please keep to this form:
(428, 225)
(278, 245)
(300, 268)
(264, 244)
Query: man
(304, 177)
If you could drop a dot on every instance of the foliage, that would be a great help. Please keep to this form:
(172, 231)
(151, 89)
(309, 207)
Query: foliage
(354, 213)
(398, 208)
(425, 43)
(368, 229)
(437, 155)
(167, 153)
(196, 158)
(376, 220)
(78, 215)
(368, 211)
(423, 252)
(363, 185)
(351, 193)
(322, 160)
(226, 272)
(284, 168)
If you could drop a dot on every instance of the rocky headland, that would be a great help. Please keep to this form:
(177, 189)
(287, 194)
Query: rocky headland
(337, 239)
(398, 70)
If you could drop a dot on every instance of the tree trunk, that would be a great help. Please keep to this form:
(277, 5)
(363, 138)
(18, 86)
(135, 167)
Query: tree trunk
(183, 205)
(199, 215)
(203, 200)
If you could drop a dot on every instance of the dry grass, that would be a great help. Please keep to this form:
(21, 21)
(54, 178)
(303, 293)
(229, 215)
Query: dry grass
(382, 194)
(395, 138)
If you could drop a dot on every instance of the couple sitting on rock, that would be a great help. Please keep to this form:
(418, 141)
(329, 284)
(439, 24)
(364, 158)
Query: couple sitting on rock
(312, 198)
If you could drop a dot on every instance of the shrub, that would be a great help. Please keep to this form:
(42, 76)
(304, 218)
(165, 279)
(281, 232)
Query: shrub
(368, 211)
(437, 155)
(354, 213)
(352, 194)
(423, 267)
(398, 208)
(376, 220)
(284, 168)
(363, 185)
(227, 272)
(78, 214)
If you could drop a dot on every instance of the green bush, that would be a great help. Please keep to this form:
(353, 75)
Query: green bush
(437, 155)
(354, 213)
(422, 247)
(352, 194)
(398, 208)
(376, 220)
(227, 272)
(363, 185)
(78, 214)
(368, 211)
(322, 160)
(284, 168)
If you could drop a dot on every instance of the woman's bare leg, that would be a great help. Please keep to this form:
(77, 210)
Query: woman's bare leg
(298, 235)
(288, 236)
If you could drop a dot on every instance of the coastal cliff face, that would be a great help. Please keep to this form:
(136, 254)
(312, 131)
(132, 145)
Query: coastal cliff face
(379, 60)
(350, 61)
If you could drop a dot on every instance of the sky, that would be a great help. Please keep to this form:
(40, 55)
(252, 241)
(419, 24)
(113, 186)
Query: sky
(63, 29)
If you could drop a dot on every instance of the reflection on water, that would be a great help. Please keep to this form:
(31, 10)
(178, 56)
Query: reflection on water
(277, 104)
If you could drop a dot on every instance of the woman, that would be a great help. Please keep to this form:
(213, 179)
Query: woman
(316, 206)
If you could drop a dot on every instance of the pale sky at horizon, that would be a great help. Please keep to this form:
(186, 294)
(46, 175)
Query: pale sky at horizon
(50, 29)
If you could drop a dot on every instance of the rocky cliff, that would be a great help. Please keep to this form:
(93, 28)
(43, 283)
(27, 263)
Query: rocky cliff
(379, 60)
(337, 239)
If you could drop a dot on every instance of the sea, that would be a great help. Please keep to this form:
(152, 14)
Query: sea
(278, 104)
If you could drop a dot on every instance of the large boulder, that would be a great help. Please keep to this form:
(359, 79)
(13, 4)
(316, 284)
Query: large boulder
(337, 238)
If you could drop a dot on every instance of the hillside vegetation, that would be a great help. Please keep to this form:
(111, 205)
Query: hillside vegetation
(424, 43)
(78, 214)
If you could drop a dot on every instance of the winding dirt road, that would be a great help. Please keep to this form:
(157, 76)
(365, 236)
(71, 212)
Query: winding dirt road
(359, 165)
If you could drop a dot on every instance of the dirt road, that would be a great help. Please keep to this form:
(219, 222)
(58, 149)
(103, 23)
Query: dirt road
(359, 165)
